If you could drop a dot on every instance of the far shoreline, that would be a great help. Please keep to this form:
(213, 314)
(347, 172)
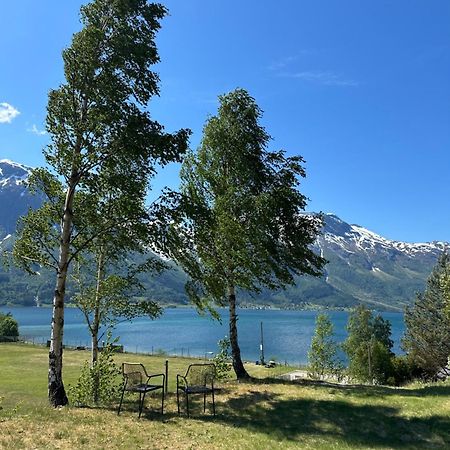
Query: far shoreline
(255, 307)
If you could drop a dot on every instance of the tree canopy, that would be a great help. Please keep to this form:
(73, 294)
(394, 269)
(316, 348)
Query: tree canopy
(102, 139)
(323, 354)
(369, 346)
(427, 335)
(243, 224)
(9, 328)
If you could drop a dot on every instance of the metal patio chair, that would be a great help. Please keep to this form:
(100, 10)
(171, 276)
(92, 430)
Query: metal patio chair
(199, 379)
(136, 379)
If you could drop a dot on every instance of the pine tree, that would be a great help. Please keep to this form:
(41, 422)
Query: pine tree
(427, 336)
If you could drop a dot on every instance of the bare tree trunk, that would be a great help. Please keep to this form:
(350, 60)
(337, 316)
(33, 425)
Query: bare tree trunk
(238, 366)
(97, 306)
(96, 324)
(96, 381)
(56, 392)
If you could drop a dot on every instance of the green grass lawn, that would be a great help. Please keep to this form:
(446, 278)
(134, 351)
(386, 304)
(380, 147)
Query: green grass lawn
(262, 414)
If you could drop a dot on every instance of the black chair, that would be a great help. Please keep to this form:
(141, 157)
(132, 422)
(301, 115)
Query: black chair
(136, 379)
(199, 379)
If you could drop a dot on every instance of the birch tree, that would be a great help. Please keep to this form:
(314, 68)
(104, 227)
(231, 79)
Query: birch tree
(99, 127)
(242, 225)
(107, 274)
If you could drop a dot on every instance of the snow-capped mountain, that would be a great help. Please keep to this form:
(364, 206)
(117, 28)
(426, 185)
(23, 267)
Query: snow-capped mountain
(15, 198)
(363, 266)
(12, 173)
(351, 238)
(366, 267)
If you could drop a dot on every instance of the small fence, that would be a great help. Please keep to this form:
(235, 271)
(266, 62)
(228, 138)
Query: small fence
(184, 352)
(135, 349)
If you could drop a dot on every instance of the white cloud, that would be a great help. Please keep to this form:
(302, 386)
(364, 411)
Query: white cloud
(7, 113)
(288, 61)
(35, 130)
(282, 63)
(286, 67)
(320, 77)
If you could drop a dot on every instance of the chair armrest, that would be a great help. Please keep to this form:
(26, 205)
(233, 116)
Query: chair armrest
(157, 375)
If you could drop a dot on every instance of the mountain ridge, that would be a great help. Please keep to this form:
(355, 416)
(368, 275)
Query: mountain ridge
(363, 267)
(15, 198)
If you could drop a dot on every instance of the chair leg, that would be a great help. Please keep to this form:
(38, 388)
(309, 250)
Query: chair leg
(121, 400)
(204, 402)
(214, 405)
(187, 404)
(141, 405)
(162, 401)
(178, 401)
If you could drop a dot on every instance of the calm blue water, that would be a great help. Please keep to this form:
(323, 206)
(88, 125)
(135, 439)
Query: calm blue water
(287, 334)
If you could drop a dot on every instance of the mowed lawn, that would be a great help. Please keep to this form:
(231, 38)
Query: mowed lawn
(262, 414)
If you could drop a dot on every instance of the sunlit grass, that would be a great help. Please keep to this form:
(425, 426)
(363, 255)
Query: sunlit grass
(262, 414)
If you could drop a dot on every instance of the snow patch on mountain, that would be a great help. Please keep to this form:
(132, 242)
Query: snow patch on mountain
(2, 241)
(354, 238)
(12, 173)
(15, 197)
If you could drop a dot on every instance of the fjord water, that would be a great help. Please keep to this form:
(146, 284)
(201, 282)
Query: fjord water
(287, 334)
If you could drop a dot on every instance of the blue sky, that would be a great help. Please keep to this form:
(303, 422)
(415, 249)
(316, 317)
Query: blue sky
(359, 88)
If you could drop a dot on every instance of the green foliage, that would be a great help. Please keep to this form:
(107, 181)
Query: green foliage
(323, 357)
(222, 359)
(403, 370)
(380, 364)
(104, 145)
(113, 298)
(445, 287)
(368, 346)
(98, 384)
(160, 352)
(242, 209)
(240, 222)
(9, 328)
(427, 336)
(104, 149)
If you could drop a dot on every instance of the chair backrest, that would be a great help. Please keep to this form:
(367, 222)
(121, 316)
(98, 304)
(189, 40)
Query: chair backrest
(134, 373)
(200, 374)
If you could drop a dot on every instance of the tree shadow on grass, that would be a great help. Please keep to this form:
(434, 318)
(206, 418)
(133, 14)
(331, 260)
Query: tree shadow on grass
(364, 390)
(360, 425)
(386, 391)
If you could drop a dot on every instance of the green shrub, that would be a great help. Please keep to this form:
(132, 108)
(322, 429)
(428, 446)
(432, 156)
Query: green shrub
(381, 363)
(9, 328)
(160, 352)
(404, 370)
(222, 360)
(99, 384)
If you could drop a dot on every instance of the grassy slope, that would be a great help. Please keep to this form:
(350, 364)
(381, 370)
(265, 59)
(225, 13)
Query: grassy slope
(263, 414)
